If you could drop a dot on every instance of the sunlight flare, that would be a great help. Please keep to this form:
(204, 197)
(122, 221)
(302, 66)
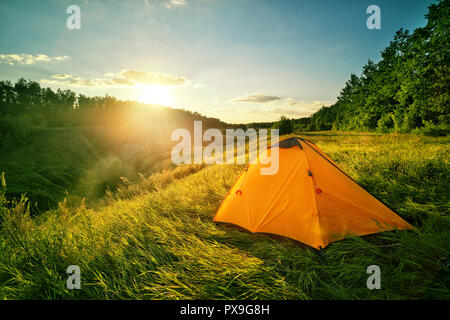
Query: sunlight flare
(154, 95)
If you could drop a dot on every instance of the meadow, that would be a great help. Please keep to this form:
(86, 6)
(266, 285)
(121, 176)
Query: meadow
(153, 237)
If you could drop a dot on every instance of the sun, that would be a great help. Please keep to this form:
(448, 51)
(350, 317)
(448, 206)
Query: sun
(154, 95)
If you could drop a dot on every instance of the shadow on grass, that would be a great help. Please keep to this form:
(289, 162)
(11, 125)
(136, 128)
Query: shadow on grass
(412, 264)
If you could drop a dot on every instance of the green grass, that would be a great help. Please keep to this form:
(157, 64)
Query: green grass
(155, 239)
(46, 164)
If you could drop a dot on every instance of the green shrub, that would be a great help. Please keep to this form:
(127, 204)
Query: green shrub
(386, 123)
(284, 125)
(13, 130)
(434, 130)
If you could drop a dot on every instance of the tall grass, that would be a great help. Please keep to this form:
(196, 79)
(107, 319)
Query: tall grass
(156, 240)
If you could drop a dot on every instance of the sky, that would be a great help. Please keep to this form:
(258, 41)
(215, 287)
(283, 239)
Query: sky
(237, 60)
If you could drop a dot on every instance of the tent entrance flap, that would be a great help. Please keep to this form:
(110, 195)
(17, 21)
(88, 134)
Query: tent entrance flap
(287, 143)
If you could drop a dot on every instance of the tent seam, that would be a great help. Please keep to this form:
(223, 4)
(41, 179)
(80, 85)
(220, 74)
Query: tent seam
(315, 196)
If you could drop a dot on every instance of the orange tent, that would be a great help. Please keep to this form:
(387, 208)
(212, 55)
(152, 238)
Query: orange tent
(309, 199)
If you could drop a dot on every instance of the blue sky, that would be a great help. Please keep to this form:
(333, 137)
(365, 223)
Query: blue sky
(238, 60)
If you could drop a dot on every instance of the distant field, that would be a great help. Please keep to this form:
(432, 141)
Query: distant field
(155, 239)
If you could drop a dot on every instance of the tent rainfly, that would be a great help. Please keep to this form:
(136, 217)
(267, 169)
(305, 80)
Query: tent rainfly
(310, 199)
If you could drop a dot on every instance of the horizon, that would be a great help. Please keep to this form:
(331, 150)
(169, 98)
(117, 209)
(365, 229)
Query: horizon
(292, 58)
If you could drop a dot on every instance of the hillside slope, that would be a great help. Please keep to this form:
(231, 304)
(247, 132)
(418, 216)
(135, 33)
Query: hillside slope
(156, 239)
(46, 164)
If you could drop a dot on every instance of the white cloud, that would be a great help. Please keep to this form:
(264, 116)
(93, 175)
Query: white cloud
(279, 106)
(175, 3)
(25, 58)
(122, 78)
(61, 76)
(152, 78)
(178, 2)
(255, 98)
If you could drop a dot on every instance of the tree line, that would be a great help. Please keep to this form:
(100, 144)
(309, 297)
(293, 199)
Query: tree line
(26, 103)
(408, 88)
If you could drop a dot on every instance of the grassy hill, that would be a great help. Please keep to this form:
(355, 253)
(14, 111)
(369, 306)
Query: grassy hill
(155, 239)
(47, 164)
(46, 154)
